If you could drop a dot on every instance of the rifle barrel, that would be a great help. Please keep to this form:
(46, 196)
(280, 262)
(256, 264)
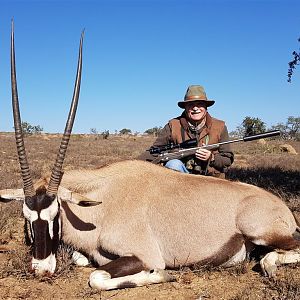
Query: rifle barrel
(164, 157)
(261, 135)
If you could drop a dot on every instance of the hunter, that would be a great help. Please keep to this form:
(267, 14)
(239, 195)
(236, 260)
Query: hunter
(196, 123)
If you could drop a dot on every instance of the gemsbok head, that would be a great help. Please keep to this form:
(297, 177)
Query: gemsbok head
(147, 218)
(41, 208)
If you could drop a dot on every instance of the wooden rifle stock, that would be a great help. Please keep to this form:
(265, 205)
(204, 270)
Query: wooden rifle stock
(181, 153)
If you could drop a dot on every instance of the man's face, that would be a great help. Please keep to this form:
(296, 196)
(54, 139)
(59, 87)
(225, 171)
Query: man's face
(196, 111)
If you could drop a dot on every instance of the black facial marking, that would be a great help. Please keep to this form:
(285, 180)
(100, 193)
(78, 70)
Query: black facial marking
(39, 202)
(28, 233)
(56, 236)
(42, 242)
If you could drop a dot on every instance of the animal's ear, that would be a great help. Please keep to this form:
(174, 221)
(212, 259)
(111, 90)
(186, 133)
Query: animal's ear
(64, 194)
(8, 195)
(4, 248)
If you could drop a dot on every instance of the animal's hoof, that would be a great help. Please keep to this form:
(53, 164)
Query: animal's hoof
(160, 275)
(97, 277)
(79, 259)
(269, 264)
(271, 271)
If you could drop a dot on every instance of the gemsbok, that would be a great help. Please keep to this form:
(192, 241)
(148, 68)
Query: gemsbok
(135, 219)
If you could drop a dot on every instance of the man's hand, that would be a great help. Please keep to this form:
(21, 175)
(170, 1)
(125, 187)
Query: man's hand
(203, 154)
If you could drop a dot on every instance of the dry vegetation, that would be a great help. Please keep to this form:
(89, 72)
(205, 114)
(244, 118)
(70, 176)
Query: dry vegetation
(262, 164)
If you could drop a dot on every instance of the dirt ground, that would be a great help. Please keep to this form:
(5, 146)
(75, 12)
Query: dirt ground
(241, 282)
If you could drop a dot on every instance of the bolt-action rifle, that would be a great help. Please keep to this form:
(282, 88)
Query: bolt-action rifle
(186, 148)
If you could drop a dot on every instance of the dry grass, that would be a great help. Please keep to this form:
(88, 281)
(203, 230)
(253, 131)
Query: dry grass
(259, 164)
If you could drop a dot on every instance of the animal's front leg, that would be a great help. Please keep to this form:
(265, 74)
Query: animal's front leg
(126, 272)
(79, 259)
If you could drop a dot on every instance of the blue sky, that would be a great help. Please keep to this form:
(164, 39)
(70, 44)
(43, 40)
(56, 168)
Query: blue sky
(141, 55)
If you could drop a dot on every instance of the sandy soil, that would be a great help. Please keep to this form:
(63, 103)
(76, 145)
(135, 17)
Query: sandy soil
(241, 282)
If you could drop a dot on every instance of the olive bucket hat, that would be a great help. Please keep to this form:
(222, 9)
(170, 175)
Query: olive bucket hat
(195, 93)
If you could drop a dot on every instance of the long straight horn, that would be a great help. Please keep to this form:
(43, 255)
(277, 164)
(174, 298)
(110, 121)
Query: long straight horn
(57, 169)
(27, 181)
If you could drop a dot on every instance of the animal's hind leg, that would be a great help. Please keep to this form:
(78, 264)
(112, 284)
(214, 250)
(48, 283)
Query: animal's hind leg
(273, 225)
(124, 272)
(270, 262)
(289, 253)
